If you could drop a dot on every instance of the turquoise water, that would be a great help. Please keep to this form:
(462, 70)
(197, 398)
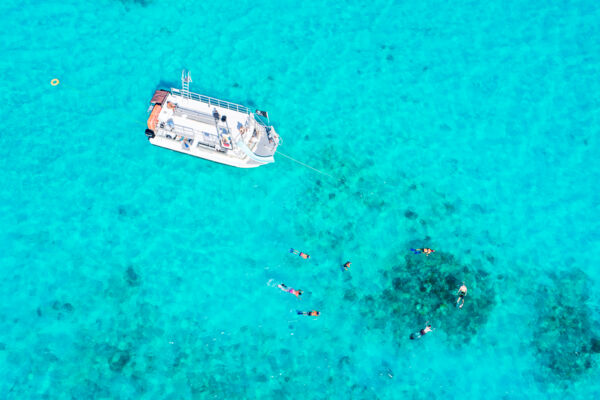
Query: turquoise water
(133, 272)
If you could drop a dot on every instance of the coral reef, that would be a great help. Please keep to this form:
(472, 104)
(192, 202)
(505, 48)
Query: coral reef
(564, 336)
(424, 288)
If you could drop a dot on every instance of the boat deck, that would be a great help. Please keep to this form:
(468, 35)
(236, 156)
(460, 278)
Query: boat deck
(213, 129)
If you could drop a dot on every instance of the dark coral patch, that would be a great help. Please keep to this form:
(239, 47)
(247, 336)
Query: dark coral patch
(424, 288)
(450, 208)
(143, 3)
(595, 345)
(410, 214)
(350, 295)
(565, 340)
(132, 278)
(119, 360)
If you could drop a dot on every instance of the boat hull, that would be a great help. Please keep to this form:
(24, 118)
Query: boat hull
(210, 155)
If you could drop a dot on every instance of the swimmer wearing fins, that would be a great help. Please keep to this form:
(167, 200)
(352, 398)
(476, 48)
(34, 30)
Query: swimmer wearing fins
(293, 291)
(347, 265)
(301, 254)
(422, 332)
(462, 292)
(312, 313)
(425, 251)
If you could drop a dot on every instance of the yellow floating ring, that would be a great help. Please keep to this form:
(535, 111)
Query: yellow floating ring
(54, 82)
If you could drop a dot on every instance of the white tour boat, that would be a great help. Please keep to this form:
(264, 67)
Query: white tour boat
(209, 128)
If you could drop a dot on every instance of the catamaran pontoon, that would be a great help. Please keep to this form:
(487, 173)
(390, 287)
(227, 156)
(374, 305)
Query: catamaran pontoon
(209, 128)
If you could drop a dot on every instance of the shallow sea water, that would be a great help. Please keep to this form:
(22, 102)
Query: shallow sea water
(133, 272)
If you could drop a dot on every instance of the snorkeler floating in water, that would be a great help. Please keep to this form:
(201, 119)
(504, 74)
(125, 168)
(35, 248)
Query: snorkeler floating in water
(301, 254)
(293, 291)
(425, 251)
(347, 265)
(421, 333)
(462, 292)
(312, 313)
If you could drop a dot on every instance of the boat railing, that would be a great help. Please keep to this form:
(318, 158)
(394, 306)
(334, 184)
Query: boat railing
(213, 101)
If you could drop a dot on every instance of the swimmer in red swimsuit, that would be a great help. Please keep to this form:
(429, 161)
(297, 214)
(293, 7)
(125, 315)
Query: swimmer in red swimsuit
(293, 291)
(301, 254)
